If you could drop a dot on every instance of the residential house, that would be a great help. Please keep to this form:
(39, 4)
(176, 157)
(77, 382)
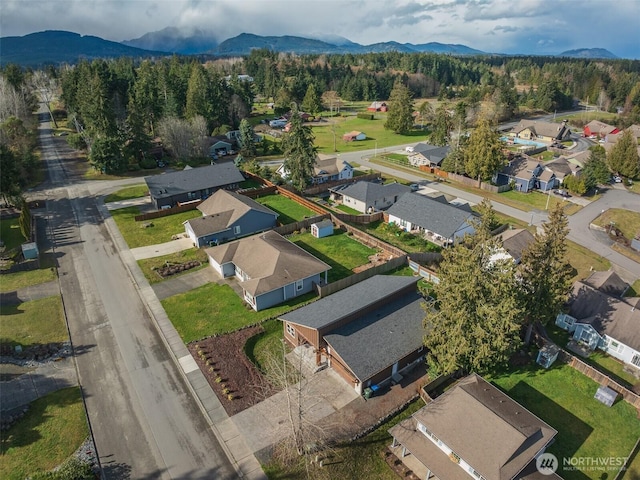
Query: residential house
(599, 317)
(437, 220)
(226, 216)
(219, 146)
(474, 430)
(368, 197)
(327, 168)
(514, 242)
(377, 107)
(428, 155)
(353, 135)
(523, 171)
(540, 131)
(561, 168)
(269, 268)
(611, 139)
(596, 128)
(368, 333)
(169, 189)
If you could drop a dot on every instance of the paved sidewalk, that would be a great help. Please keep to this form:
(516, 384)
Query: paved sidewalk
(161, 249)
(33, 292)
(47, 378)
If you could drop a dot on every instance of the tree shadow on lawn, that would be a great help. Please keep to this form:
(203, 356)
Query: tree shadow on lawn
(572, 431)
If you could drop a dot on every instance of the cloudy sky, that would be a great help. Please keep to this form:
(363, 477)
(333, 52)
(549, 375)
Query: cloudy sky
(502, 26)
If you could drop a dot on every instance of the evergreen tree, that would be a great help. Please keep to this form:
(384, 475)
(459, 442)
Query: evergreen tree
(10, 186)
(311, 103)
(595, 169)
(623, 158)
(475, 324)
(299, 151)
(545, 274)
(247, 139)
(442, 126)
(399, 117)
(25, 219)
(106, 156)
(198, 97)
(483, 155)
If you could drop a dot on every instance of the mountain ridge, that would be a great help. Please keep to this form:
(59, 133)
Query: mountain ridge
(59, 46)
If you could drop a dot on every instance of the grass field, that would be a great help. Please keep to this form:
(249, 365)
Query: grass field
(214, 309)
(14, 281)
(377, 136)
(33, 323)
(161, 230)
(563, 397)
(339, 250)
(288, 210)
(148, 265)
(53, 428)
(404, 240)
(134, 191)
(584, 261)
(627, 221)
(10, 233)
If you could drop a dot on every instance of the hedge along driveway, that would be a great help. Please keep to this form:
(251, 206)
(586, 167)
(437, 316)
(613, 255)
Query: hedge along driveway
(159, 230)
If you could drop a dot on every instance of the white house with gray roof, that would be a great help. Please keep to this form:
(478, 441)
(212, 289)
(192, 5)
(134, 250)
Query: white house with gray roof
(368, 197)
(438, 221)
(368, 333)
(428, 155)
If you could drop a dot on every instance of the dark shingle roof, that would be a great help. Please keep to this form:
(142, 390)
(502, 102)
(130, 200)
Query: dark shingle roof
(441, 218)
(194, 179)
(380, 338)
(345, 302)
(210, 224)
(224, 200)
(368, 192)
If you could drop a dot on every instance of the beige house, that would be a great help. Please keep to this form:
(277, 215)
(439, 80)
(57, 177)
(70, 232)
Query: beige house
(473, 430)
(540, 131)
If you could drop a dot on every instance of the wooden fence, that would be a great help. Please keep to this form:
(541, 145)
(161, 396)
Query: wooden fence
(428, 275)
(599, 377)
(306, 223)
(368, 240)
(167, 211)
(472, 182)
(328, 289)
(364, 218)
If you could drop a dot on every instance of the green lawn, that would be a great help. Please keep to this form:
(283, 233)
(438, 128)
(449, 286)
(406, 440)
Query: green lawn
(401, 239)
(563, 397)
(17, 280)
(634, 290)
(148, 265)
(288, 210)
(377, 136)
(161, 230)
(35, 322)
(613, 367)
(215, 309)
(535, 200)
(627, 221)
(584, 261)
(339, 250)
(127, 193)
(10, 233)
(361, 458)
(51, 431)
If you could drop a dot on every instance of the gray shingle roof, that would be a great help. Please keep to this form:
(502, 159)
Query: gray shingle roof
(345, 302)
(210, 224)
(441, 218)
(194, 179)
(380, 338)
(368, 192)
(270, 261)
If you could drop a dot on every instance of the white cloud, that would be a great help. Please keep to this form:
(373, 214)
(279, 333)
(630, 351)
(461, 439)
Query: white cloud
(506, 26)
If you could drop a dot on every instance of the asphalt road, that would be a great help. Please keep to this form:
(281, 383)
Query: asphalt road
(144, 421)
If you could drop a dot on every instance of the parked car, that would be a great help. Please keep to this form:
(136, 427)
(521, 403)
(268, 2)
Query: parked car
(562, 193)
(617, 179)
(414, 187)
(408, 149)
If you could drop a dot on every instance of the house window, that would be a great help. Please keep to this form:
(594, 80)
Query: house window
(191, 195)
(636, 360)
(615, 346)
(236, 230)
(299, 285)
(290, 330)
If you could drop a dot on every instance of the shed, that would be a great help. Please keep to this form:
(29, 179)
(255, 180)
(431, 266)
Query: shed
(323, 228)
(30, 250)
(547, 355)
(353, 135)
(606, 395)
